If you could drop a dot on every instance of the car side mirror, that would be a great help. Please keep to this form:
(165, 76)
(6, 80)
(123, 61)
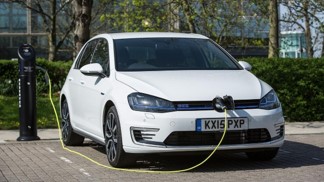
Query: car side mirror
(245, 65)
(93, 69)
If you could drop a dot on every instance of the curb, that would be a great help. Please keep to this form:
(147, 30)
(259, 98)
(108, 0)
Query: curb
(295, 128)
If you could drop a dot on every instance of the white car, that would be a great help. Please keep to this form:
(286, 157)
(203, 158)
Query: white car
(139, 93)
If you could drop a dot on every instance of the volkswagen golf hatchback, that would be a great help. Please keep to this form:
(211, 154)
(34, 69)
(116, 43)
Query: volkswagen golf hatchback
(139, 93)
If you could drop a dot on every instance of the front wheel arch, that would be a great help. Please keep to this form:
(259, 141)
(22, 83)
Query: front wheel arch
(62, 99)
(69, 137)
(108, 105)
(116, 155)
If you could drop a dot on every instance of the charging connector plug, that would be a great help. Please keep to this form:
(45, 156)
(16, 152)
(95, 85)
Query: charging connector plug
(220, 104)
(229, 102)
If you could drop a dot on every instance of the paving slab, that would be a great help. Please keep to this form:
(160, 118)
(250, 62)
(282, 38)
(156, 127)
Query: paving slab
(300, 159)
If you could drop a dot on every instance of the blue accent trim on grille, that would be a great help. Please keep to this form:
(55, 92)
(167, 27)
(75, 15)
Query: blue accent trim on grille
(247, 107)
(207, 105)
(194, 108)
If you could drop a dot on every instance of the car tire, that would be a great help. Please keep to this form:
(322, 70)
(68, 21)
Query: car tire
(264, 155)
(116, 155)
(68, 136)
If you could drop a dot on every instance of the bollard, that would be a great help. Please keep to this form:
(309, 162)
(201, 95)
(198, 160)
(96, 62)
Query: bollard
(27, 93)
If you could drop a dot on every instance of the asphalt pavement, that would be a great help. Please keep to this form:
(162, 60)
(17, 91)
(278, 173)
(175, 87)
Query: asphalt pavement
(301, 158)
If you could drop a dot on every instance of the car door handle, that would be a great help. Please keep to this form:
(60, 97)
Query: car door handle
(82, 82)
(70, 79)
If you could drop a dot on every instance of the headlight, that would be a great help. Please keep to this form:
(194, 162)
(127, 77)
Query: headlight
(148, 103)
(269, 101)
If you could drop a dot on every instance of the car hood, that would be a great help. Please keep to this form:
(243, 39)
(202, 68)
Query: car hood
(194, 85)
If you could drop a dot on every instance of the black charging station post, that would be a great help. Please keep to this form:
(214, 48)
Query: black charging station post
(27, 93)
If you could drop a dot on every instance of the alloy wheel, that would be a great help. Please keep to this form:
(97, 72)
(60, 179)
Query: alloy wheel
(65, 121)
(111, 136)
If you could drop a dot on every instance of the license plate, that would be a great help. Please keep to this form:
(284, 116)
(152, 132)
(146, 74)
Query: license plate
(217, 124)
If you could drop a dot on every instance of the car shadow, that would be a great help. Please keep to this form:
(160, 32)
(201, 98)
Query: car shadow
(291, 155)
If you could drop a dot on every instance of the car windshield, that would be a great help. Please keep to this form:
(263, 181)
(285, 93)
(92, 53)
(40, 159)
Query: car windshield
(149, 54)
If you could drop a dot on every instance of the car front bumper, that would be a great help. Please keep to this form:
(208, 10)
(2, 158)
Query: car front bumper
(176, 131)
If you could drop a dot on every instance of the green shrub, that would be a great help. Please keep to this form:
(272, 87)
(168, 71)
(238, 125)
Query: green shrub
(9, 76)
(299, 84)
(57, 72)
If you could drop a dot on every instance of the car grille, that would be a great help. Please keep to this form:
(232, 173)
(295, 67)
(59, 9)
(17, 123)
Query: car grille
(247, 104)
(207, 105)
(140, 135)
(192, 138)
(145, 135)
(280, 130)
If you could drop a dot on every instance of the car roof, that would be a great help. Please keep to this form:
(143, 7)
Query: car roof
(131, 35)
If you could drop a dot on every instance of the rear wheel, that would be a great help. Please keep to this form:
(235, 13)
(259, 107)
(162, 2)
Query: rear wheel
(113, 139)
(68, 136)
(264, 155)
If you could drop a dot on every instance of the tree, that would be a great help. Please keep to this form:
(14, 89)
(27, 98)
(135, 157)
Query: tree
(322, 32)
(303, 14)
(50, 12)
(227, 22)
(190, 14)
(81, 21)
(196, 16)
(136, 15)
(274, 30)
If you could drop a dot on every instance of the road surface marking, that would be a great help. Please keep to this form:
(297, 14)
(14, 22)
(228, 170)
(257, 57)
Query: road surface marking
(66, 160)
(50, 150)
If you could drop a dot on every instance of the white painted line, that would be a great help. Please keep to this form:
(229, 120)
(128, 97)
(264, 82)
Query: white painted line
(66, 160)
(84, 172)
(50, 150)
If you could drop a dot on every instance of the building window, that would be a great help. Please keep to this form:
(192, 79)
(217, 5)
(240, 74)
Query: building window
(12, 18)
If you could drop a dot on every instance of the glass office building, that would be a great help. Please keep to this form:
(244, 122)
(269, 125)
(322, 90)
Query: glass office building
(19, 25)
(293, 44)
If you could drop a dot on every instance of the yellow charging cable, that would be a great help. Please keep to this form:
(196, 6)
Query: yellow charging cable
(123, 169)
